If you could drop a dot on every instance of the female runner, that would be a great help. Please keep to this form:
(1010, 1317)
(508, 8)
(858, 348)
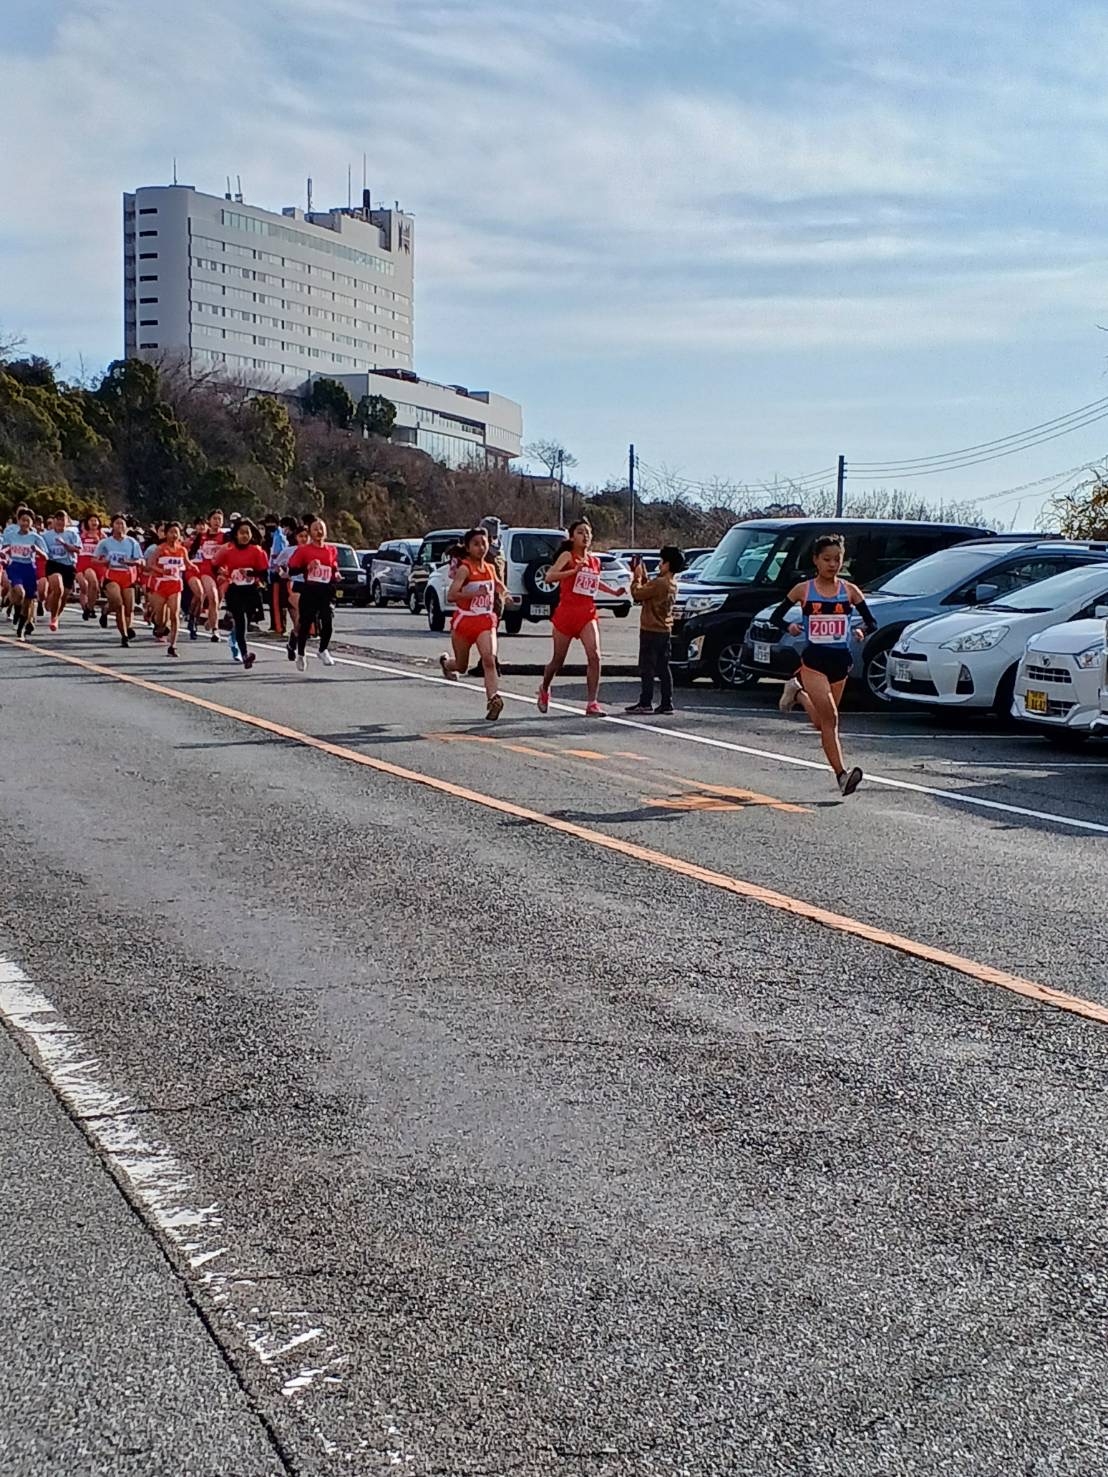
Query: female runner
(319, 562)
(22, 548)
(63, 545)
(209, 539)
(294, 583)
(90, 573)
(825, 662)
(474, 588)
(578, 573)
(123, 556)
(239, 567)
(169, 568)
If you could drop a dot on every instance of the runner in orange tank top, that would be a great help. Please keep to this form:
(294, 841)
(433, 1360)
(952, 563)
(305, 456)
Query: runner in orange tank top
(577, 573)
(474, 586)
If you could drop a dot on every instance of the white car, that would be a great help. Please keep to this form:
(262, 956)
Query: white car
(528, 554)
(1059, 682)
(969, 658)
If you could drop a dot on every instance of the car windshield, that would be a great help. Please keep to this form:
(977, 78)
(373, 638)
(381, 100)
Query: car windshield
(743, 555)
(1086, 582)
(937, 572)
(347, 557)
(528, 546)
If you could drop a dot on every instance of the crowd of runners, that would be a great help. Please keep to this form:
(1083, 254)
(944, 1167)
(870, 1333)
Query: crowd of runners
(178, 577)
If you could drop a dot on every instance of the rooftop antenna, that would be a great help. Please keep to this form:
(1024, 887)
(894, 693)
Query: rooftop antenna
(349, 189)
(363, 172)
(175, 169)
(228, 194)
(309, 194)
(238, 194)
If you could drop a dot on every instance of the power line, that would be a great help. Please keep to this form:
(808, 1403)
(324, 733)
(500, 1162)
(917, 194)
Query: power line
(1085, 414)
(976, 461)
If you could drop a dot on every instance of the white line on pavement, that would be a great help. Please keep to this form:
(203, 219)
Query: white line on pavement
(955, 797)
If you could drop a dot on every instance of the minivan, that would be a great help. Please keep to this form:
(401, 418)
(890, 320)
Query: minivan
(390, 570)
(760, 561)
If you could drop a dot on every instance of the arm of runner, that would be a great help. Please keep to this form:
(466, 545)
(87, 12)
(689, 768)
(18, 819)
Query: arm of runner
(458, 583)
(858, 600)
(563, 568)
(794, 597)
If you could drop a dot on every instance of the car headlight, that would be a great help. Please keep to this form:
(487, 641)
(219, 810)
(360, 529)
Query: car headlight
(699, 604)
(1091, 657)
(361, 578)
(982, 640)
(694, 648)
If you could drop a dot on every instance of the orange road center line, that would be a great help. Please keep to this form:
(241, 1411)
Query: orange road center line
(985, 974)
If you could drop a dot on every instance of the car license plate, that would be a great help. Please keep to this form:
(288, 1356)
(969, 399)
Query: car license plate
(762, 653)
(539, 611)
(1035, 702)
(902, 671)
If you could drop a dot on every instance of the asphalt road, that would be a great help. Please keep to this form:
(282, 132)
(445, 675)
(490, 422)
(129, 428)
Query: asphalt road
(510, 1128)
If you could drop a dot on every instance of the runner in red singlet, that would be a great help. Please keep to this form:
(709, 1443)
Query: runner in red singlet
(169, 567)
(208, 540)
(90, 571)
(474, 586)
(577, 572)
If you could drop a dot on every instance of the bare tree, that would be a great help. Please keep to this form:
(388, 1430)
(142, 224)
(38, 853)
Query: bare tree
(552, 455)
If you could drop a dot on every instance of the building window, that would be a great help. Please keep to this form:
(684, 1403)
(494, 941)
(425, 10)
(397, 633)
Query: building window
(148, 299)
(148, 323)
(149, 279)
(148, 346)
(148, 256)
(149, 210)
(148, 233)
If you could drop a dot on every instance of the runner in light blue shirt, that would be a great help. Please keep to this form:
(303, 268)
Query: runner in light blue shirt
(123, 556)
(63, 544)
(19, 547)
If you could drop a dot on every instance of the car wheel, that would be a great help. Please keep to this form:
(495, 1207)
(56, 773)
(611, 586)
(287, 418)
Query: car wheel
(535, 583)
(513, 623)
(415, 602)
(436, 620)
(621, 612)
(728, 669)
(876, 671)
(1005, 692)
(378, 596)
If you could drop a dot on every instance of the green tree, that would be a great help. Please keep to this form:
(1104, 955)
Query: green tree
(1083, 512)
(159, 462)
(376, 416)
(330, 401)
(270, 437)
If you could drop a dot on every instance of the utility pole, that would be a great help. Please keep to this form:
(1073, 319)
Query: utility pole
(561, 489)
(839, 480)
(631, 489)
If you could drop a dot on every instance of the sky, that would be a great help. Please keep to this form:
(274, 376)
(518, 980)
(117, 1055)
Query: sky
(747, 235)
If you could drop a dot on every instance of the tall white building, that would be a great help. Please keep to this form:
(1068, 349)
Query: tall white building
(278, 300)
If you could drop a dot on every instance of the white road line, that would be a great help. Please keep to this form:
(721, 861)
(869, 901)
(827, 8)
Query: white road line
(954, 797)
(162, 1189)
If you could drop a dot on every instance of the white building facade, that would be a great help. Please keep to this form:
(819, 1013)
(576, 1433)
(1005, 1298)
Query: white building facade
(277, 300)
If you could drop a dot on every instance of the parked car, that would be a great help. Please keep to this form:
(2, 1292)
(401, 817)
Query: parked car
(969, 659)
(351, 586)
(1061, 677)
(528, 554)
(430, 554)
(391, 569)
(650, 558)
(968, 574)
(760, 561)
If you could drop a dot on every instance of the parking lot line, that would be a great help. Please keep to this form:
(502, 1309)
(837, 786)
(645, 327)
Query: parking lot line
(781, 902)
(953, 797)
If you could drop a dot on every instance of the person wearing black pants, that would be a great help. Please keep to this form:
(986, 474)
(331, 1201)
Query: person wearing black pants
(318, 562)
(238, 566)
(656, 597)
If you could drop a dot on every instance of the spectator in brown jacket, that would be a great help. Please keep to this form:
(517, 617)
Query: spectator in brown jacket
(656, 596)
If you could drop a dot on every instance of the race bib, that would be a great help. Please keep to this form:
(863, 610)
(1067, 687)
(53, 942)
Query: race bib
(23, 553)
(587, 582)
(209, 549)
(172, 564)
(90, 545)
(828, 630)
(480, 596)
(118, 561)
(319, 573)
(242, 577)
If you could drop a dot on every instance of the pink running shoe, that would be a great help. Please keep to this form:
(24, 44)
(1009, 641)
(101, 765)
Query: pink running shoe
(53, 625)
(544, 699)
(594, 710)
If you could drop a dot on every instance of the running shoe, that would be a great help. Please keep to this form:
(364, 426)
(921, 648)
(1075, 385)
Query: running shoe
(641, 710)
(171, 651)
(248, 661)
(790, 695)
(29, 629)
(215, 636)
(236, 656)
(291, 649)
(103, 620)
(326, 658)
(53, 625)
(544, 699)
(849, 781)
(301, 663)
(87, 614)
(495, 708)
(125, 642)
(594, 710)
(665, 710)
(446, 672)
(130, 633)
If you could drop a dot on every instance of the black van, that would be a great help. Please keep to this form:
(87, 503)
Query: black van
(760, 561)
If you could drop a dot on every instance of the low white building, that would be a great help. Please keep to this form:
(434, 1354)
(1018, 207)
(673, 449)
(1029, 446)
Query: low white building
(277, 300)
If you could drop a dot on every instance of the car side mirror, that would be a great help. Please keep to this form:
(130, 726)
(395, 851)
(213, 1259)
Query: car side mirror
(1101, 612)
(982, 594)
